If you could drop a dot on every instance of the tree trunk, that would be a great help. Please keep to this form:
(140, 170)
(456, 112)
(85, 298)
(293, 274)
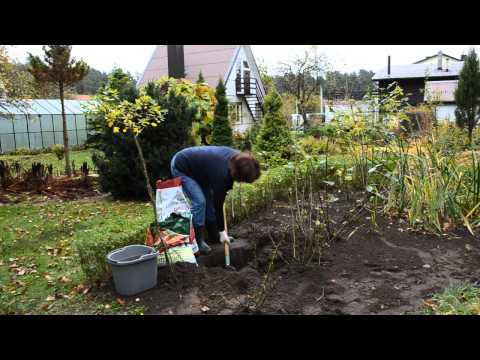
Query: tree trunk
(152, 201)
(470, 135)
(66, 149)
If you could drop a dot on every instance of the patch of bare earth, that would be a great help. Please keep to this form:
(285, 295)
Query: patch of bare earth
(383, 269)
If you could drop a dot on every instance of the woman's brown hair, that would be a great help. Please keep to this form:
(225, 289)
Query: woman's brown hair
(244, 167)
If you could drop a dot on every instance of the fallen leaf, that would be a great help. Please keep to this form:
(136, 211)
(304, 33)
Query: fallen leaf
(48, 277)
(205, 308)
(50, 298)
(64, 279)
(21, 272)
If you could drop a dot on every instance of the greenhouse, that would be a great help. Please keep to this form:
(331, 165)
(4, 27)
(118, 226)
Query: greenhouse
(36, 124)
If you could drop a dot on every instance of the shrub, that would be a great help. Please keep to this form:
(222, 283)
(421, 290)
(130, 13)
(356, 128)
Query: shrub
(119, 167)
(59, 151)
(420, 119)
(37, 176)
(313, 146)
(274, 141)
(246, 199)
(26, 152)
(6, 177)
(94, 244)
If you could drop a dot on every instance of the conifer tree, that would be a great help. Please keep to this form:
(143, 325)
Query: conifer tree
(274, 141)
(222, 131)
(467, 95)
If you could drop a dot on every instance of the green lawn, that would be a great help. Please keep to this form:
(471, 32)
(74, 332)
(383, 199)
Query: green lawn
(39, 267)
(50, 158)
(462, 299)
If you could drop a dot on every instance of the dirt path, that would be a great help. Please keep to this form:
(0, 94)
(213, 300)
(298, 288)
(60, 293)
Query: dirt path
(378, 270)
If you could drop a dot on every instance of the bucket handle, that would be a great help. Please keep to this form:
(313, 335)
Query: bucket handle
(131, 261)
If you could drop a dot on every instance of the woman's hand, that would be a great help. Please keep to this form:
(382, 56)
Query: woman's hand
(224, 237)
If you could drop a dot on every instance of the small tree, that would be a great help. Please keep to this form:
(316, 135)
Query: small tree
(467, 95)
(134, 117)
(59, 68)
(200, 79)
(222, 131)
(274, 140)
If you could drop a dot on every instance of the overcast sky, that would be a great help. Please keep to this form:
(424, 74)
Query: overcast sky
(349, 58)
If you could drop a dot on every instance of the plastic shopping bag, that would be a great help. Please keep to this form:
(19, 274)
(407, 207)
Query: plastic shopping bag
(175, 222)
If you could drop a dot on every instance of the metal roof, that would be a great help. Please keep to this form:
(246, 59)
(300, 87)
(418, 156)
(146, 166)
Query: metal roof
(43, 107)
(421, 70)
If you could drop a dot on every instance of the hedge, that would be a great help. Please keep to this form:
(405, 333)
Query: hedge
(94, 244)
(247, 199)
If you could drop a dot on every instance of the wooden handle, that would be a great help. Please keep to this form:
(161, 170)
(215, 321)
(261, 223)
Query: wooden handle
(226, 244)
(227, 254)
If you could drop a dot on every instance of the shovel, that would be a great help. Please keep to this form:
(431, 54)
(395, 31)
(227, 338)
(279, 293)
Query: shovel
(227, 246)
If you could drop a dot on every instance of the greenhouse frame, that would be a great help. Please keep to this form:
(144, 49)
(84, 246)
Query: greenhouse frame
(37, 124)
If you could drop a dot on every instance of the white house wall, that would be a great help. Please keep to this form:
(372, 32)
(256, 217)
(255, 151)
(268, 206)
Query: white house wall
(247, 119)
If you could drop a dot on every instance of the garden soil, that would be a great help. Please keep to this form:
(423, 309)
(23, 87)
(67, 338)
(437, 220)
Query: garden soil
(382, 269)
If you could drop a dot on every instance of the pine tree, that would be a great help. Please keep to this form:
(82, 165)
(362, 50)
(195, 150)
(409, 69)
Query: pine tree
(467, 95)
(274, 140)
(59, 68)
(222, 131)
(200, 79)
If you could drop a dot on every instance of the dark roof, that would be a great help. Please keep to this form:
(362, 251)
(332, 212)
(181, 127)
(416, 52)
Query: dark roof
(421, 70)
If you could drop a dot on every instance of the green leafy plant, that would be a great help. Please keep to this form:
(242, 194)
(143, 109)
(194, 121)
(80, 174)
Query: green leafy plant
(59, 151)
(462, 299)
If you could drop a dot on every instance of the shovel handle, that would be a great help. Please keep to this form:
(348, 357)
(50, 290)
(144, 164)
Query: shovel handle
(226, 244)
(227, 254)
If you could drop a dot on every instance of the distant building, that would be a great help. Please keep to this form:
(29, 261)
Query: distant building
(434, 77)
(234, 64)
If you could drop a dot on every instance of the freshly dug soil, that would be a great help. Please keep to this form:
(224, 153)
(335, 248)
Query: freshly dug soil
(383, 269)
(57, 188)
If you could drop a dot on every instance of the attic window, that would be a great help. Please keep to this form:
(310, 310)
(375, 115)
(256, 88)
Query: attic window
(245, 65)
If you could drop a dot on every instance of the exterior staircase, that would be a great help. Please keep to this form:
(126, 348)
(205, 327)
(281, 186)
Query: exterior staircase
(252, 92)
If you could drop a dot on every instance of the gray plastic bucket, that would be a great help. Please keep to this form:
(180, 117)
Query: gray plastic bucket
(134, 268)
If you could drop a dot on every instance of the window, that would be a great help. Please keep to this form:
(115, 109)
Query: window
(235, 113)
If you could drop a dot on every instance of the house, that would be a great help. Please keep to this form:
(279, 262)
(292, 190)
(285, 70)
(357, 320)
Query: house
(433, 78)
(234, 64)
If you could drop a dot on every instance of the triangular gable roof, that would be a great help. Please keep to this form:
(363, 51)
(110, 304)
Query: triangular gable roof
(214, 61)
(434, 56)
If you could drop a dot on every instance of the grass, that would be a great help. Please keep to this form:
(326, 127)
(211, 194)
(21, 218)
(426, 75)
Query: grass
(40, 270)
(463, 299)
(50, 158)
